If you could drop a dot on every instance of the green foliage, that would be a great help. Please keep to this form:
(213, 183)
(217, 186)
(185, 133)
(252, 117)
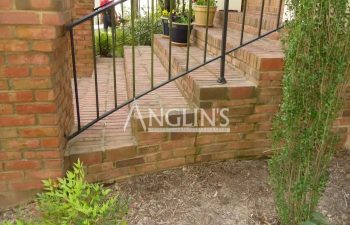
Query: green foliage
(205, 2)
(316, 47)
(103, 44)
(143, 26)
(74, 201)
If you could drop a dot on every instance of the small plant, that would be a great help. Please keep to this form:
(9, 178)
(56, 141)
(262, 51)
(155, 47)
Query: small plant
(165, 13)
(205, 2)
(72, 200)
(103, 44)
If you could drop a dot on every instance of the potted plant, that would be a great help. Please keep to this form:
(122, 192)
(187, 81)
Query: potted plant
(165, 22)
(200, 10)
(179, 29)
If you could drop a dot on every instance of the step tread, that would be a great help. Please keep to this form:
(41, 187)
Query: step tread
(207, 75)
(166, 97)
(107, 133)
(263, 45)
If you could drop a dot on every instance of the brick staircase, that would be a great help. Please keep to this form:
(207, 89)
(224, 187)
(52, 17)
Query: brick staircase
(252, 95)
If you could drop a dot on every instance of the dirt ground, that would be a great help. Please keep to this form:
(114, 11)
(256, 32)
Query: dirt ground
(220, 193)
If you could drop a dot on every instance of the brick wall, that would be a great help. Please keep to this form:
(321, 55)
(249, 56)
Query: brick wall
(83, 39)
(271, 6)
(35, 95)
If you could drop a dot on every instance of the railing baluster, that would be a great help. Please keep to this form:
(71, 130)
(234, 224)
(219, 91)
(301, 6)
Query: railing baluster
(222, 79)
(113, 56)
(95, 68)
(279, 14)
(75, 78)
(170, 35)
(99, 33)
(261, 17)
(133, 46)
(188, 33)
(206, 33)
(123, 20)
(152, 40)
(243, 21)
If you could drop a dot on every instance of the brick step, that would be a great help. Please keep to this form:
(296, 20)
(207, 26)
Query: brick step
(101, 145)
(252, 23)
(259, 56)
(165, 98)
(201, 86)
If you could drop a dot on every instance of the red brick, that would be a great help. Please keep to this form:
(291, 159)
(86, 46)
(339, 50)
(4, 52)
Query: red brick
(17, 17)
(38, 132)
(4, 156)
(171, 163)
(50, 18)
(53, 163)
(4, 85)
(241, 92)
(271, 64)
(22, 165)
(36, 108)
(37, 32)
(6, 4)
(14, 175)
(44, 95)
(17, 120)
(42, 155)
(8, 132)
(47, 119)
(87, 159)
(6, 32)
(50, 142)
(22, 96)
(43, 46)
(13, 46)
(43, 175)
(19, 144)
(26, 185)
(34, 58)
(41, 71)
(16, 71)
(32, 83)
(120, 154)
(6, 109)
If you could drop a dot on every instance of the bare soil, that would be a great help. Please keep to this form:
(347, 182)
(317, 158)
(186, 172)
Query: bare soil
(226, 193)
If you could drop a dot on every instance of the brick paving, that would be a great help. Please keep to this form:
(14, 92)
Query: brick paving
(107, 133)
(165, 97)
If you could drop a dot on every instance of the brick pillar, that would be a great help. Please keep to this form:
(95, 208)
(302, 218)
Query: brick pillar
(82, 37)
(35, 95)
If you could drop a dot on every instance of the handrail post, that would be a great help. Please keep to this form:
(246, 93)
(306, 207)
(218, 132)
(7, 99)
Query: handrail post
(222, 79)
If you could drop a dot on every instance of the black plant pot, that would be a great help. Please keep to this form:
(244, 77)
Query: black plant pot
(179, 33)
(165, 23)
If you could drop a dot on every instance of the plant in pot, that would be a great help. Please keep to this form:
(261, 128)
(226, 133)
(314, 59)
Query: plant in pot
(200, 9)
(165, 22)
(164, 8)
(180, 29)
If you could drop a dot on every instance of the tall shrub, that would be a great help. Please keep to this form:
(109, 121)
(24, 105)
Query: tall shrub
(316, 46)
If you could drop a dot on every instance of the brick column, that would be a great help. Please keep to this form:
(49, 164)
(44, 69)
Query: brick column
(35, 95)
(82, 37)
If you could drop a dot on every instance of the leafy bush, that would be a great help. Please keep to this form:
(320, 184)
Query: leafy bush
(103, 44)
(72, 200)
(205, 2)
(316, 47)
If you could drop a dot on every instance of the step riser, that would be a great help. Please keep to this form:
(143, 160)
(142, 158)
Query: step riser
(250, 60)
(252, 23)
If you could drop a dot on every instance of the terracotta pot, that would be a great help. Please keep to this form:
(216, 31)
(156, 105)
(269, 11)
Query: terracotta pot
(200, 15)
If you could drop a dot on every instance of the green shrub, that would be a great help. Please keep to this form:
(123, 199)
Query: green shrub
(72, 200)
(103, 44)
(316, 73)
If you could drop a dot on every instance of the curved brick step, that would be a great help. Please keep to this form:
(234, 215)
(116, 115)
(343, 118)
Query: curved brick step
(252, 23)
(259, 56)
(201, 86)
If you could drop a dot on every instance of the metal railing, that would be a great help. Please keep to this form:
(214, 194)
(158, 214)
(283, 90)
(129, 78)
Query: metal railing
(111, 7)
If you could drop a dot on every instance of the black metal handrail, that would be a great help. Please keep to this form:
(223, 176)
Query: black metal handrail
(171, 78)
